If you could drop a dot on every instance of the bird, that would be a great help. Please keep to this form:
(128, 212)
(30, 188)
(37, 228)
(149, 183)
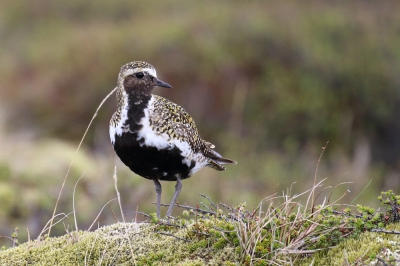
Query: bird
(156, 138)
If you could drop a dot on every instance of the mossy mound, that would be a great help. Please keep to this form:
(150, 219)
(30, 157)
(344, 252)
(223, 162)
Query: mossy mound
(277, 236)
(150, 244)
(160, 244)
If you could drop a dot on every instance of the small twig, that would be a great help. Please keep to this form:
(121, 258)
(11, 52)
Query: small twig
(383, 262)
(144, 214)
(11, 238)
(162, 222)
(386, 231)
(212, 203)
(226, 206)
(205, 206)
(197, 209)
(252, 215)
(177, 237)
(347, 214)
(170, 217)
(15, 236)
(115, 217)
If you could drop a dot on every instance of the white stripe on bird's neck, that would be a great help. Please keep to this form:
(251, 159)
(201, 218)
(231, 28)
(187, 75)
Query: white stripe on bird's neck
(121, 116)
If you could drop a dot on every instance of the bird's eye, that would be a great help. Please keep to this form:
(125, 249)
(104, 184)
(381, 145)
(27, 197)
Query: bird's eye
(139, 75)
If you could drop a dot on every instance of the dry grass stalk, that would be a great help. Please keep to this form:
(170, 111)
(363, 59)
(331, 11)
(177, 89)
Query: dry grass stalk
(76, 152)
(275, 217)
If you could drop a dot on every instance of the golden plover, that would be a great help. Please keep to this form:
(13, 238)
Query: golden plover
(155, 138)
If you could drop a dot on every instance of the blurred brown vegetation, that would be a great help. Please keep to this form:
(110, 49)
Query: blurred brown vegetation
(267, 82)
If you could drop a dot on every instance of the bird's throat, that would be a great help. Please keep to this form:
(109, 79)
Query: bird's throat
(138, 99)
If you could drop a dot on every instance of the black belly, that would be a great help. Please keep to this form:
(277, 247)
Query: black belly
(149, 162)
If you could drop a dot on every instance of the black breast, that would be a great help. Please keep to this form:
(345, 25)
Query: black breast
(147, 161)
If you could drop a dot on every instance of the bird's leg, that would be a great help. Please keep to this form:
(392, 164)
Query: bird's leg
(158, 191)
(178, 188)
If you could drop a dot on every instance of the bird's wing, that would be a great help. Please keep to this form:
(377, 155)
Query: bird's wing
(170, 118)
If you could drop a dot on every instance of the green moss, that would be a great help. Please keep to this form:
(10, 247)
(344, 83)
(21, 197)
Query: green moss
(220, 244)
(366, 248)
(125, 244)
(341, 237)
(198, 245)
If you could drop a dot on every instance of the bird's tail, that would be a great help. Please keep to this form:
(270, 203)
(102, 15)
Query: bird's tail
(218, 157)
(216, 160)
(222, 160)
(217, 163)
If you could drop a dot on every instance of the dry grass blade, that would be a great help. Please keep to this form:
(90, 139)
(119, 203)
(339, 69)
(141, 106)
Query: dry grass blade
(73, 203)
(115, 177)
(47, 226)
(118, 195)
(311, 195)
(90, 227)
(73, 159)
(316, 170)
(285, 223)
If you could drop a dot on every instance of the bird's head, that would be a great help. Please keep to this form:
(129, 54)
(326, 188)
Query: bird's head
(139, 77)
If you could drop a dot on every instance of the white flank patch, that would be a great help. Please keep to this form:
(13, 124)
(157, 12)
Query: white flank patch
(119, 128)
(131, 71)
(152, 139)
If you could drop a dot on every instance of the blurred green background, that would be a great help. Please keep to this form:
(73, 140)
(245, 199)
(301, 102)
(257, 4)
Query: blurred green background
(268, 82)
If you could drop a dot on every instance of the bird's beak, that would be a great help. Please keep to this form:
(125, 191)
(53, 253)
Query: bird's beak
(161, 83)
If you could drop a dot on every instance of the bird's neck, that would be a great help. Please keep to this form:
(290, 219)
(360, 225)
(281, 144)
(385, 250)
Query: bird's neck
(132, 103)
(136, 99)
(131, 99)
